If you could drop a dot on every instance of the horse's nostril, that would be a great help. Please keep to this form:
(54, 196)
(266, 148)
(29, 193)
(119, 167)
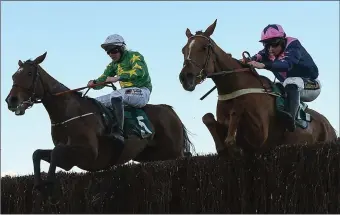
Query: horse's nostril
(12, 100)
(186, 77)
(190, 76)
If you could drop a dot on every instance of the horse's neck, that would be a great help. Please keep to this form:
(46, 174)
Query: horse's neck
(233, 81)
(56, 106)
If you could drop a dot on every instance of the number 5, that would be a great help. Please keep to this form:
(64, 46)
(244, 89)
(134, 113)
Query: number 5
(142, 124)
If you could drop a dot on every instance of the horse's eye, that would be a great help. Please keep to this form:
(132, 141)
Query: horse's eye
(29, 73)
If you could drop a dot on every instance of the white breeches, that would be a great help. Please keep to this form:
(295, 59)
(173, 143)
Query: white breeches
(306, 95)
(133, 96)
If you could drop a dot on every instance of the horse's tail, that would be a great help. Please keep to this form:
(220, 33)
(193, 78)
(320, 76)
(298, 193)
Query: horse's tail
(188, 146)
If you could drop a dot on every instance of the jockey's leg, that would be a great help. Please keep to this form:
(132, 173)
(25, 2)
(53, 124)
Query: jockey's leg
(115, 101)
(293, 87)
(117, 130)
(138, 98)
(292, 104)
(133, 96)
(311, 91)
(105, 100)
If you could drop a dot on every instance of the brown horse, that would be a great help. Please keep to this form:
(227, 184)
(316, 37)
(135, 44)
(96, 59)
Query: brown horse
(79, 129)
(247, 102)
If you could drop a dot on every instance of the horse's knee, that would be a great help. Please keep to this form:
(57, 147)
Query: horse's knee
(36, 155)
(208, 119)
(41, 154)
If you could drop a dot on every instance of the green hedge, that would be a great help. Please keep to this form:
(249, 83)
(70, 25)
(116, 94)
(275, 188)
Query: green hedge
(291, 179)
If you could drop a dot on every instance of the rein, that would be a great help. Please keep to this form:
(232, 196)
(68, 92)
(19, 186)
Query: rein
(37, 76)
(221, 73)
(202, 74)
(89, 87)
(34, 100)
(78, 89)
(245, 59)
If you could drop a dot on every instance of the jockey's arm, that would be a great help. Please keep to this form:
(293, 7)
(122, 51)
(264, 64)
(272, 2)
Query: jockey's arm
(138, 66)
(110, 71)
(292, 56)
(259, 56)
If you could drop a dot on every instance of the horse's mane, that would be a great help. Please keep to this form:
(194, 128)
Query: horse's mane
(79, 94)
(243, 65)
(200, 32)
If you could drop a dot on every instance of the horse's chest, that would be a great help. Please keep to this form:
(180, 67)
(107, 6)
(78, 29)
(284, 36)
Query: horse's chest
(225, 109)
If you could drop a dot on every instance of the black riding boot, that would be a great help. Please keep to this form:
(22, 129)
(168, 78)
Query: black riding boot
(117, 129)
(292, 105)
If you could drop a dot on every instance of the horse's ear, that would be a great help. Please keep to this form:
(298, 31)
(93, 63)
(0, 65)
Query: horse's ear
(40, 59)
(188, 33)
(20, 63)
(210, 30)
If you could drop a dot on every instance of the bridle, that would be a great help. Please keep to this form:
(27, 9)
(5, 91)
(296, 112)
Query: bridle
(32, 99)
(202, 74)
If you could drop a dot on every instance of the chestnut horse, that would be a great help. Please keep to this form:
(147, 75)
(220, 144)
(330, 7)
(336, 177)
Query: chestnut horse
(78, 128)
(247, 106)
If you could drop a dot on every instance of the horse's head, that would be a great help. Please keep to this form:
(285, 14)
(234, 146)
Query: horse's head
(198, 58)
(27, 86)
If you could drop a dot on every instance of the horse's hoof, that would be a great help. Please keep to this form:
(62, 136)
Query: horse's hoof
(208, 119)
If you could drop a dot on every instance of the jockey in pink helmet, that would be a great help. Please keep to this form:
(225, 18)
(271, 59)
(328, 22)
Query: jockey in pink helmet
(292, 66)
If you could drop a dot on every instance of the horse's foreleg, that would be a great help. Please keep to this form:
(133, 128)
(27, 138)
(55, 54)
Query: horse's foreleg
(230, 140)
(83, 154)
(60, 157)
(46, 155)
(37, 156)
(213, 127)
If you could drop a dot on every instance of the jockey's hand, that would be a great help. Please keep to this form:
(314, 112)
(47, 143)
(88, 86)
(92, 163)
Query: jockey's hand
(112, 79)
(242, 60)
(90, 83)
(256, 65)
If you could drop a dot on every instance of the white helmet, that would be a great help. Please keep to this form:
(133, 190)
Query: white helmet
(113, 40)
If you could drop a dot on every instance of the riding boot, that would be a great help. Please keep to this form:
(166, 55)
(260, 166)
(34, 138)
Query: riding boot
(292, 105)
(117, 129)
